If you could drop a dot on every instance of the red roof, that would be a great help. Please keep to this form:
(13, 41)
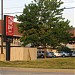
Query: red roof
(16, 33)
(16, 29)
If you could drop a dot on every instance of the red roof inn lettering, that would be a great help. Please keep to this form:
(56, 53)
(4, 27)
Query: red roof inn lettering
(9, 25)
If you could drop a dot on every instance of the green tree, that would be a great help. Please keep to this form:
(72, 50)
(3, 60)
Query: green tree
(65, 49)
(41, 23)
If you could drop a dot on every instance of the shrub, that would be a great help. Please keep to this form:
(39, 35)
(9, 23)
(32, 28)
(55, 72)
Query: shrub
(64, 48)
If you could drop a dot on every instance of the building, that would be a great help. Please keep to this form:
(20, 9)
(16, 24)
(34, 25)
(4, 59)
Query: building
(71, 43)
(16, 41)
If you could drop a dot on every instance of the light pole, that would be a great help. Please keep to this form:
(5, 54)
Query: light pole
(2, 26)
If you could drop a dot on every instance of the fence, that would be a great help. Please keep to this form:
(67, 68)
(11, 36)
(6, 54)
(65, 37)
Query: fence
(20, 54)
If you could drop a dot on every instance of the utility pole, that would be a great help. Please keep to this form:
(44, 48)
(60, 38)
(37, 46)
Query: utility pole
(2, 26)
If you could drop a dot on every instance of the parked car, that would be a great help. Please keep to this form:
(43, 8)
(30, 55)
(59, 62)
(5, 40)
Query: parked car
(73, 54)
(62, 54)
(40, 54)
(50, 54)
(65, 54)
(58, 54)
(70, 53)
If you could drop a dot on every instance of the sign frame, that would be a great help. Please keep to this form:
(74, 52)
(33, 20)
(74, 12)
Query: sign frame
(8, 25)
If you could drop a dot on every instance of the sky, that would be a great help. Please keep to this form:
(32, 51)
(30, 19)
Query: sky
(13, 6)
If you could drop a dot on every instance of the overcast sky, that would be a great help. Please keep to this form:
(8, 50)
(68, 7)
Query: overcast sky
(11, 6)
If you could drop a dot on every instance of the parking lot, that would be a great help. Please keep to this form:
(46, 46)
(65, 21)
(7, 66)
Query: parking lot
(48, 54)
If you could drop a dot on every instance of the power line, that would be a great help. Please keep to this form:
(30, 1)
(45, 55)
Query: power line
(13, 13)
(22, 12)
(14, 7)
(70, 8)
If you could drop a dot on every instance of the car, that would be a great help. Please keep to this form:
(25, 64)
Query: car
(58, 54)
(70, 53)
(62, 54)
(73, 54)
(50, 54)
(65, 54)
(40, 54)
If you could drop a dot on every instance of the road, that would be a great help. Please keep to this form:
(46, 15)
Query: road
(26, 72)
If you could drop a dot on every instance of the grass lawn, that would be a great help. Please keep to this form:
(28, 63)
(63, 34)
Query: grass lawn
(49, 63)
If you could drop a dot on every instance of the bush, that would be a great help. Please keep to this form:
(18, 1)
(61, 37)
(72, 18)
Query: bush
(65, 49)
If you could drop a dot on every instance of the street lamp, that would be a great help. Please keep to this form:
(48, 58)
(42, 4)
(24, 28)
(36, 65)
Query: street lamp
(2, 26)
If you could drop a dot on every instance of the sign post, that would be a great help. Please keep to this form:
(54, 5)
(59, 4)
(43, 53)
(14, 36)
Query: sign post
(8, 33)
(2, 26)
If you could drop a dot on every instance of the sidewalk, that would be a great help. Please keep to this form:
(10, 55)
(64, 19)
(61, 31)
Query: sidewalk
(39, 70)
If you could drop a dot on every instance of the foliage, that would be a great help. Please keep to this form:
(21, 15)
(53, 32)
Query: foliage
(41, 23)
(64, 48)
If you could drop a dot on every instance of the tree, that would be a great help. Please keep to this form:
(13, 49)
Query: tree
(65, 49)
(41, 23)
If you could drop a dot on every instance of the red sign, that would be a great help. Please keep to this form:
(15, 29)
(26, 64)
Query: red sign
(9, 25)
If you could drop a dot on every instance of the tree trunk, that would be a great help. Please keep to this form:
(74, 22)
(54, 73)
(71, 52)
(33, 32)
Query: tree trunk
(45, 50)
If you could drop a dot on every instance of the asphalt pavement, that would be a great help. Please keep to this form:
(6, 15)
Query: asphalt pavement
(35, 71)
